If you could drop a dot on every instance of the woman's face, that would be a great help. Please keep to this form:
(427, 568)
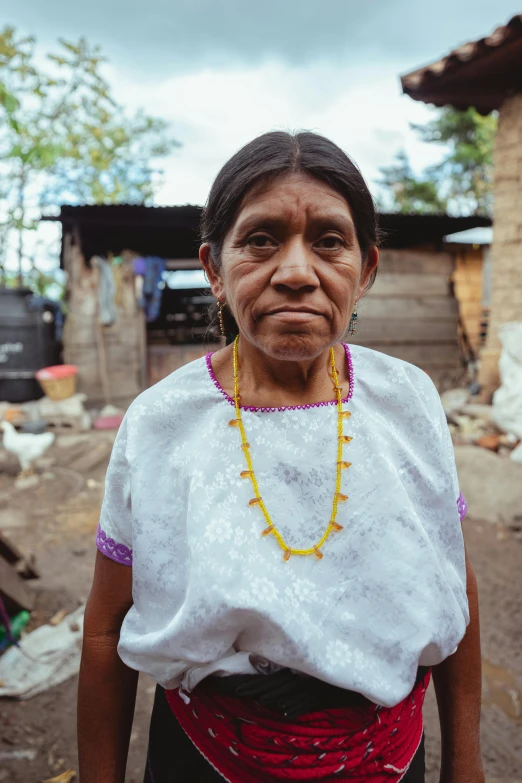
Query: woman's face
(291, 267)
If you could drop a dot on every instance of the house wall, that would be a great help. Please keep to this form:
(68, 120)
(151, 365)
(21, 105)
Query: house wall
(411, 313)
(111, 360)
(506, 250)
(468, 282)
(164, 359)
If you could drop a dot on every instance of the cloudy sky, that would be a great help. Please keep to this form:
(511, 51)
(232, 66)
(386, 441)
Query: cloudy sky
(223, 71)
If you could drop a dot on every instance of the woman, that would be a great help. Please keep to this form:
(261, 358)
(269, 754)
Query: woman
(280, 542)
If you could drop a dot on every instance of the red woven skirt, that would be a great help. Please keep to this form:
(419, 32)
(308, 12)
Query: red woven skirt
(247, 743)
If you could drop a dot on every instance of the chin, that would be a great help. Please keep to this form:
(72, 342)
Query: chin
(294, 346)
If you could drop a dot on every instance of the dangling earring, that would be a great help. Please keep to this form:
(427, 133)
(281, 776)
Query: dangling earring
(221, 320)
(352, 326)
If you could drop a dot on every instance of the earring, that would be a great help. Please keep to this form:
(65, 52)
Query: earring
(221, 320)
(352, 326)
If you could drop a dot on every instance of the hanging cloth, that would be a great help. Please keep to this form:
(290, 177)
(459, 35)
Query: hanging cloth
(106, 291)
(152, 294)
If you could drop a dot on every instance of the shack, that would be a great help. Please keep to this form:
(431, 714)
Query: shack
(135, 310)
(486, 74)
(137, 299)
(413, 311)
(471, 250)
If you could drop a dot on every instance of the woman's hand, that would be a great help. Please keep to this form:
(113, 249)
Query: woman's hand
(458, 685)
(107, 688)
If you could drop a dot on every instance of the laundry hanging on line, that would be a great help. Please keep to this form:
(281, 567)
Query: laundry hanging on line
(106, 291)
(151, 268)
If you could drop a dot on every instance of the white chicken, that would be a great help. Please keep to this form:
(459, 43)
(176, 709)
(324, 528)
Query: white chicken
(26, 446)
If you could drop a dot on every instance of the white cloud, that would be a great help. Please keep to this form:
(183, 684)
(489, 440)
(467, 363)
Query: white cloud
(214, 112)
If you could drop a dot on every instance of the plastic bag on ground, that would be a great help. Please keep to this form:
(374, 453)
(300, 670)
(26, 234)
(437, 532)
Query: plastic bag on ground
(44, 658)
(507, 400)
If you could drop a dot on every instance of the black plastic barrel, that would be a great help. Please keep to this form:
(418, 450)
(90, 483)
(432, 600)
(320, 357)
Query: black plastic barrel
(27, 343)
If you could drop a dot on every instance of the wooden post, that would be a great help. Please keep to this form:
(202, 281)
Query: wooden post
(100, 347)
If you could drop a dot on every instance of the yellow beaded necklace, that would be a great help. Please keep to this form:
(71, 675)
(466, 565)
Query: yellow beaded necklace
(257, 500)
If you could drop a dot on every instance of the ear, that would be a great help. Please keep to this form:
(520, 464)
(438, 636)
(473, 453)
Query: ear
(212, 273)
(372, 262)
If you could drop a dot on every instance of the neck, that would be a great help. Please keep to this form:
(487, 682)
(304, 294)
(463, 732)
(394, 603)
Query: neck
(268, 382)
(291, 377)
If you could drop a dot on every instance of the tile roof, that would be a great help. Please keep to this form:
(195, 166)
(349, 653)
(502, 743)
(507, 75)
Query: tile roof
(479, 73)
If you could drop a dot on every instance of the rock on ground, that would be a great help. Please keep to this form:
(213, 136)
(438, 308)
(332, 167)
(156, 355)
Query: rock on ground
(491, 484)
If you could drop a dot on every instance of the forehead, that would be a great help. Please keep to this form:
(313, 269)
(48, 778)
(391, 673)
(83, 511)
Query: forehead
(294, 195)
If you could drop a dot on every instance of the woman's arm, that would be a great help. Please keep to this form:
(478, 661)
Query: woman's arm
(458, 685)
(107, 688)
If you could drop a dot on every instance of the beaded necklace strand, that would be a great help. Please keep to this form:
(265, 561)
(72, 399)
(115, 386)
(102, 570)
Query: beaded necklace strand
(257, 500)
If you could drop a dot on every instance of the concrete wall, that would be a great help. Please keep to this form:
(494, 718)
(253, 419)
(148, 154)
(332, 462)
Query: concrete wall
(506, 251)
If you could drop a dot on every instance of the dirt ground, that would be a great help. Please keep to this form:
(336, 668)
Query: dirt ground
(57, 520)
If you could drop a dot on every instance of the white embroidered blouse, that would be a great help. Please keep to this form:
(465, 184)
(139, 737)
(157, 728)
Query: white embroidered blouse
(213, 596)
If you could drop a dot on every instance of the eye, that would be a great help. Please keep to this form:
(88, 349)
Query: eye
(260, 240)
(330, 243)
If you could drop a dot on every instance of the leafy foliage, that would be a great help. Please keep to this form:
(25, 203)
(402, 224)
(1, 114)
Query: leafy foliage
(49, 284)
(463, 181)
(63, 137)
(410, 193)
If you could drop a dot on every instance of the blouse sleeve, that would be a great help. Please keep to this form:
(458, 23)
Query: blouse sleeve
(114, 535)
(447, 533)
(460, 500)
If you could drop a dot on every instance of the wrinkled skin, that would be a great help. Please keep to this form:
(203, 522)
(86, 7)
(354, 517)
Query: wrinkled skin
(291, 268)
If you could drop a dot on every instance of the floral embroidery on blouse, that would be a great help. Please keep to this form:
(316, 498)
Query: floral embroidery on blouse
(210, 591)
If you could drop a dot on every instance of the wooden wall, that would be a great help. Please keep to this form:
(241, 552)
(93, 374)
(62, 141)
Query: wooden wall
(468, 290)
(164, 359)
(111, 360)
(412, 314)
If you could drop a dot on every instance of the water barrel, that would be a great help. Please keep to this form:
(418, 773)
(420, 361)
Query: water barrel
(27, 343)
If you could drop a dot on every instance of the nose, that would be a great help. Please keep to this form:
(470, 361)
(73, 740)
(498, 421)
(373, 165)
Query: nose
(295, 269)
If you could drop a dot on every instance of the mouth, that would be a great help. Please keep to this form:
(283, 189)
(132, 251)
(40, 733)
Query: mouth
(291, 315)
(295, 311)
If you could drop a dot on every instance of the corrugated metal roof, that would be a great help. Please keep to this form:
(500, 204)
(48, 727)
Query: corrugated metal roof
(403, 230)
(120, 214)
(479, 73)
(173, 232)
(473, 236)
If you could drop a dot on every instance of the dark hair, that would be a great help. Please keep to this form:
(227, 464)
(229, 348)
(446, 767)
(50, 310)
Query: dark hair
(271, 155)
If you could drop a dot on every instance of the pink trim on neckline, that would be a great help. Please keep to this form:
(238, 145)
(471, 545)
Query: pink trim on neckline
(254, 409)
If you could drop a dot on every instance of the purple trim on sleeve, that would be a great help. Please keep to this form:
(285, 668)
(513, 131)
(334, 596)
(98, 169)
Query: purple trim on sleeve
(110, 548)
(254, 409)
(462, 506)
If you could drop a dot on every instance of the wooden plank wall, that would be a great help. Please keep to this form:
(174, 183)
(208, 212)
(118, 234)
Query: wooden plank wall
(164, 359)
(410, 313)
(468, 290)
(111, 360)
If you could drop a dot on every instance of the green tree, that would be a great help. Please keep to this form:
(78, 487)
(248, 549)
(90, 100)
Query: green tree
(463, 180)
(64, 137)
(409, 193)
